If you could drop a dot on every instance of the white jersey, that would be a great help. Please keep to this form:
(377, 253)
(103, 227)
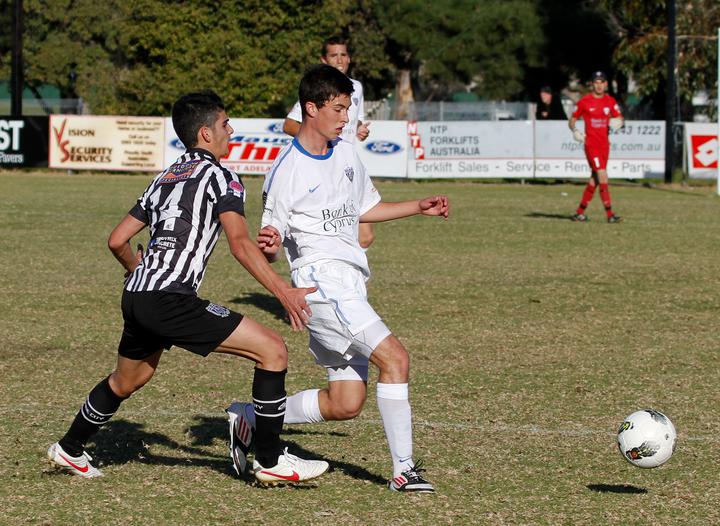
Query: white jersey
(315, 202)
(356, 113)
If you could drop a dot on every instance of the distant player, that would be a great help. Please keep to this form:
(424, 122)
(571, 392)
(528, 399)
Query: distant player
(187, 207)
(315, 195)
(600, 112)
(335, 53)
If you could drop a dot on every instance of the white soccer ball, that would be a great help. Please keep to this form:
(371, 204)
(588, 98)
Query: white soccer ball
(647, 438)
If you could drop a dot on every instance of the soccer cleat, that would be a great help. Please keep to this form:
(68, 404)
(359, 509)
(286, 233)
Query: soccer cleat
(614, 219)
(289, 468)
(79, 466)
(580, 218)
(411, 481)
(241, 434)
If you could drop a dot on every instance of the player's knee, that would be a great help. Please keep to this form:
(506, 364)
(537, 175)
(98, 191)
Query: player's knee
(402, 360)
(275, 354)
(392, 359)
(399, 356)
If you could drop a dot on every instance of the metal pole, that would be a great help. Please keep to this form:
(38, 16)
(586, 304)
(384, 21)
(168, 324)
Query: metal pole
(671, 93)
(16, 81)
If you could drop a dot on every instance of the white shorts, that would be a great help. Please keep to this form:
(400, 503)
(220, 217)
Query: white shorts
(344, 328)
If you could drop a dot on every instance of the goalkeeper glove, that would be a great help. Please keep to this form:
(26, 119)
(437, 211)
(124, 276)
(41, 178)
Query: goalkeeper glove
(579, 136)
(616, 123)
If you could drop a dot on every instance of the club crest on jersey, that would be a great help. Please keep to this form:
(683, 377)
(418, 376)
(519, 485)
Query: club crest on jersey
(349, 172)
(218, 310)
(179, 172)
(236, 188)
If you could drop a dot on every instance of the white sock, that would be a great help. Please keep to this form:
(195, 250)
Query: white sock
(392, 400)
(303, 408)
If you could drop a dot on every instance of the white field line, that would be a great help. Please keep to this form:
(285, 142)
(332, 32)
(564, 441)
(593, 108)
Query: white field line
(527, 429)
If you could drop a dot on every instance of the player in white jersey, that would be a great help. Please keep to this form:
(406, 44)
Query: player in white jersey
(335, 53)
(315, 195)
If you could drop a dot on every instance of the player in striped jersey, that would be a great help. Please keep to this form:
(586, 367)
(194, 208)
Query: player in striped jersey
(187, 206)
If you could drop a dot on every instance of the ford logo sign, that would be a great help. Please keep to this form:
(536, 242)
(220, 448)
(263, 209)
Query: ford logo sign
(383, 147)
(276, 127)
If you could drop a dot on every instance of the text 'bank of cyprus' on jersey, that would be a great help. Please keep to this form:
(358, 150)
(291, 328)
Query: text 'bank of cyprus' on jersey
(315, 202)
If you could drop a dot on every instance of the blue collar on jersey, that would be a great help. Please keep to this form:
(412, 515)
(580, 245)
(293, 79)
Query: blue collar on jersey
(331, 148)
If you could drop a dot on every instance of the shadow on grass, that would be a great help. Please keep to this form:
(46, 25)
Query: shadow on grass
(210, 428)
(616, 488)
(121, 441)
(543, 215)
(265, 302)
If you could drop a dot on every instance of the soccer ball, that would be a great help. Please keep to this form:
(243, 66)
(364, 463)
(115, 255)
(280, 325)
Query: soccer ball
(647, 438)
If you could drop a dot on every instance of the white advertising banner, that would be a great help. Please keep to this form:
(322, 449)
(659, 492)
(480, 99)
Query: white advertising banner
(701, 149)
(471, 149)
(636, 151)
(254, 145)
(79, 142)
(385, 152)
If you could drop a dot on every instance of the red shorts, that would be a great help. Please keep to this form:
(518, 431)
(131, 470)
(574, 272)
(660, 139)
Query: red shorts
(597, 156)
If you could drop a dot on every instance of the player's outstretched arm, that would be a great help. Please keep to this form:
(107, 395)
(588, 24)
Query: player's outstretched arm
(249, 256)
(437, 205)
(119, 242)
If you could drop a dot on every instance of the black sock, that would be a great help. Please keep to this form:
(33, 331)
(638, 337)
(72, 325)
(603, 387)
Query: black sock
(269, 398)
(99, 407)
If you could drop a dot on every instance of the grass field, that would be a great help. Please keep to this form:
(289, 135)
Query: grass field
(531, 337)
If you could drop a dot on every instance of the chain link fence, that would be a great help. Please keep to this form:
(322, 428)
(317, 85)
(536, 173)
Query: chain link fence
(452, 111)
(34, 107)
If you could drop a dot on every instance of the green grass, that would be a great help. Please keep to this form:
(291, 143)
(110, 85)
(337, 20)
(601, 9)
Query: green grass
(531, 337)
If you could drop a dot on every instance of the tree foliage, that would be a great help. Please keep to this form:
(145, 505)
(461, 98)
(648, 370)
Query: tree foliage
(454, 43)
(641, 54)
(137, 56)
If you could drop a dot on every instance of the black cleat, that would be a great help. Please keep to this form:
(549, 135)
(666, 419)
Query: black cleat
(410, 481)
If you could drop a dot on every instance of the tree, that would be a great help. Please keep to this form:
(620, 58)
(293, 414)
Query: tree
(452, 44)
(5, 38)
(135, 57)
(578, 42)
(642, 50)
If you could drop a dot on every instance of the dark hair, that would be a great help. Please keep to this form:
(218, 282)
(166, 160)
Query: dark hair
(322, 83)
(334, 41)
(193, 111)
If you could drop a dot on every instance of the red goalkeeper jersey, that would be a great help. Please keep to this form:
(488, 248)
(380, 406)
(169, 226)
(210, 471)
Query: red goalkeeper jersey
(596, 112)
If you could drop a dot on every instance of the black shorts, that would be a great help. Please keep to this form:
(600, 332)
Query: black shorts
(158, 320)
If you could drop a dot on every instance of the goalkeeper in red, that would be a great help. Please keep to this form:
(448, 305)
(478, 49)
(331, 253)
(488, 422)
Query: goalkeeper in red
(600, 112)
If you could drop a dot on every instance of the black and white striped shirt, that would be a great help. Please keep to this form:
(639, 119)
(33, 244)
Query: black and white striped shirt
(182, 206)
